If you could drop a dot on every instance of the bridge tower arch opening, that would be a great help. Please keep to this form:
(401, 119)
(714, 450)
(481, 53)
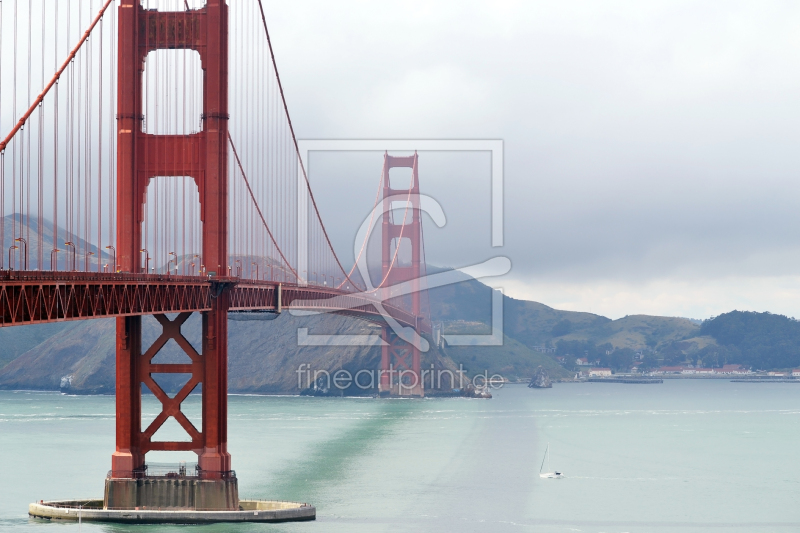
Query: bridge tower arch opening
(168, 72)
(173, 245)
(144, 154)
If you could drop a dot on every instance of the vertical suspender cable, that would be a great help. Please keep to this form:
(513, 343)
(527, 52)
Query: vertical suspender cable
(14, 148)
(27, 187)
(100, 154)
(87, 147)
(40, 186)
(69, 145)
(54, 257)
(87, 210)
(82, 142)
(184, 131)
(113, 136)
(75, 198)
(2, 153)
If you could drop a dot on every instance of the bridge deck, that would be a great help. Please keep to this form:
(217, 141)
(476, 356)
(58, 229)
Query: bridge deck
(34, 297)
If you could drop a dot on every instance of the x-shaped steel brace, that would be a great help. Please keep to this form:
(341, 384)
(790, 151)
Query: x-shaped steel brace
(400, 356)
(171, 329)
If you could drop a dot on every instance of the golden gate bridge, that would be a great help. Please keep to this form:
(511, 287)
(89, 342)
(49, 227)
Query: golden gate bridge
(149, 166)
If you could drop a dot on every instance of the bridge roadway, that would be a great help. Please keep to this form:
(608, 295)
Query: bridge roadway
(35, 297)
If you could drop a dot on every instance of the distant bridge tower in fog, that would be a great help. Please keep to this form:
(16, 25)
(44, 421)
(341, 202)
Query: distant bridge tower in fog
(397, 354)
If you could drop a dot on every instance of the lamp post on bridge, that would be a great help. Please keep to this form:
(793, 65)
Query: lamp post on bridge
(25, 255)
(54, 264)
(256, 265)
(74, 255)
(114, 258)
(11, 255)
(147, 259)
(176, 262)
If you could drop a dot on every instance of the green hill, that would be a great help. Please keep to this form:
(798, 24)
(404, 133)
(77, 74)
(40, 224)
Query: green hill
(760, 340)
(637, 331)
(538, 325)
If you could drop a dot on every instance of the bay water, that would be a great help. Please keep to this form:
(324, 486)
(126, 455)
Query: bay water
(685, 455)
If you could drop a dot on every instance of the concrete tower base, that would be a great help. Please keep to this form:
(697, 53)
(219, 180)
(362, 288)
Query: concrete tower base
(172, 493)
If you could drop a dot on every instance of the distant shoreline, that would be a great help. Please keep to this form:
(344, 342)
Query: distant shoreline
(700, 376)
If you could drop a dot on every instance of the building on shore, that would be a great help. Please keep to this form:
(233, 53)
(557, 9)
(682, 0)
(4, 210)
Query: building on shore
(669, 370)
(690, 370)
(732, 369)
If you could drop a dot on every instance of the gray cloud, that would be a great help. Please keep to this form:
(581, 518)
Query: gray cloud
(648, 146)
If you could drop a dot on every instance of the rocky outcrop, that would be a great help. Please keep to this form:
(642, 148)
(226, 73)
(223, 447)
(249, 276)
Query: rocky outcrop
(540, 379)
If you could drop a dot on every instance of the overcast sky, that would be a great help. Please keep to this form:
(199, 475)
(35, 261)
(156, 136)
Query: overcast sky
(651, 148)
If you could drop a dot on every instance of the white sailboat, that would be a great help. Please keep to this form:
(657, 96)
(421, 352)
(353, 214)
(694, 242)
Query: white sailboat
(550, 474)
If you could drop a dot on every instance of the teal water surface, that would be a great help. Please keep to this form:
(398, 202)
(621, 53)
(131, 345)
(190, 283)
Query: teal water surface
(688, 455)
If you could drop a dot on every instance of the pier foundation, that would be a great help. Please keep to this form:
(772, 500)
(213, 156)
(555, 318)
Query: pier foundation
(172, 493)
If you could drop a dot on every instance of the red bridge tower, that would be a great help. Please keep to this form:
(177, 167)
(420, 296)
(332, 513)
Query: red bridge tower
(140, 158)
(400, 361)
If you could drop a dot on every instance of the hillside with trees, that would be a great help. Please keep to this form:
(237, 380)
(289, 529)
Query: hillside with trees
(759, 340)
